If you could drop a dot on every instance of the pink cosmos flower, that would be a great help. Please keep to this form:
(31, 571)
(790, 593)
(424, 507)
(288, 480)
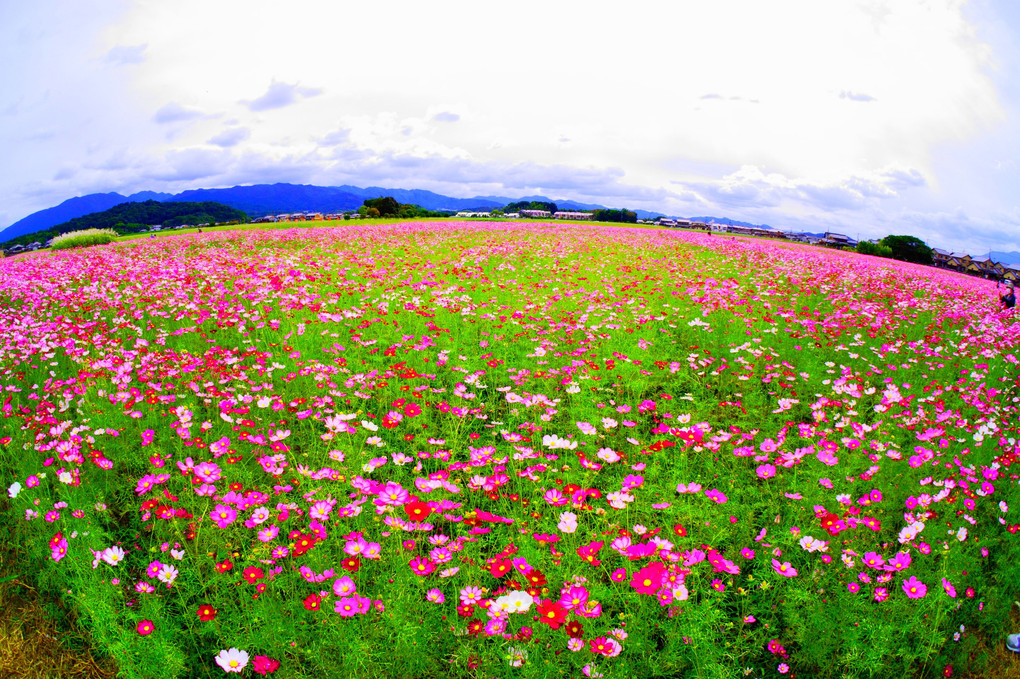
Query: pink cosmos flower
(784, 569)
(344, 586)
(223, 515)
(421, 566)
(716, 496)
(948, 586)
(914, 588)
(573, 597)
(347, 606)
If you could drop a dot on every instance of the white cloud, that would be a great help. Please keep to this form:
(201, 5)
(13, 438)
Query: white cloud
(126, 54)
(230, 137)
(279, 95)
(175, 113)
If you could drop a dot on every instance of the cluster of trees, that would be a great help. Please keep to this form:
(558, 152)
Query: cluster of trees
(387, 206)
(134, 217)
(606, 215)
(905, 248)
(530, 205)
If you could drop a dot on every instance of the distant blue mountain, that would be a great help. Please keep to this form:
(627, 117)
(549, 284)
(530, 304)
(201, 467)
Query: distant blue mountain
(263, 199)
(69, 209)
(1004, 257)
(729, 222)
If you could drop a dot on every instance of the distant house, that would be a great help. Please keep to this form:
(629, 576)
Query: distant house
(564, 214)
(838, 240)
(512, 215)
(958, 261)
(536, 214)
(666, 221)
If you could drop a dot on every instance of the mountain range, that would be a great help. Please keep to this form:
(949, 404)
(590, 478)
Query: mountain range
(263, 199)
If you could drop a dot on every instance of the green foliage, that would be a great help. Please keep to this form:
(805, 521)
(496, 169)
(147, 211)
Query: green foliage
(625, 216)
(877, 249)
(81, 239)
(908, 249)
(387, 206)
(530, 205)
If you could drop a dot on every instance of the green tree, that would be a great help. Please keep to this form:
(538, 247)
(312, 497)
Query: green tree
(625, 216)
(386, 205)
(908, 249)
(877, 249)
(530, 205)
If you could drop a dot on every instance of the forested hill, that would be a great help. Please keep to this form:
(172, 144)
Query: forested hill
(133, 217)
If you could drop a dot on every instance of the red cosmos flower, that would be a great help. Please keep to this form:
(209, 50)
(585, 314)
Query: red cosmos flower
(417, 510)
(145, 627)
(832, 524)
(574, 629)
(466, 610)
(475, 627)
(412, 410)
(551, 613)
(206, 613)
(303, 544)
(648, 580)
(224, 566)
(312, 602)
(351, 564)
(680, 531)
(500, 568)
(535, 578)
(524, 634)
(253, 574)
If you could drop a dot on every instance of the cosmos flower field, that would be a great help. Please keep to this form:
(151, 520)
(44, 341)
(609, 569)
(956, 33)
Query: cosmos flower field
(511, 450)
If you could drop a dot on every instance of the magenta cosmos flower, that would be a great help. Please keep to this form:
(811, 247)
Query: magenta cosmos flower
(914, 588)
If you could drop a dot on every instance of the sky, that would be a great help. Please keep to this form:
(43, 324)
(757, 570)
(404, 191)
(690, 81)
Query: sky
(863, 117)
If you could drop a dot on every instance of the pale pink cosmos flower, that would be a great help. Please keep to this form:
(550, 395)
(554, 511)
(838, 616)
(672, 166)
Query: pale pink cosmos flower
(232, 660)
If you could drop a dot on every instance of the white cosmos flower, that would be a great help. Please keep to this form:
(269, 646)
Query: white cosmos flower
(232, 660)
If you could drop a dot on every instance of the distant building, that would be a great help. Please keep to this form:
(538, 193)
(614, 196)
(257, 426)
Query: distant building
(536, 214)
(564, 214)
